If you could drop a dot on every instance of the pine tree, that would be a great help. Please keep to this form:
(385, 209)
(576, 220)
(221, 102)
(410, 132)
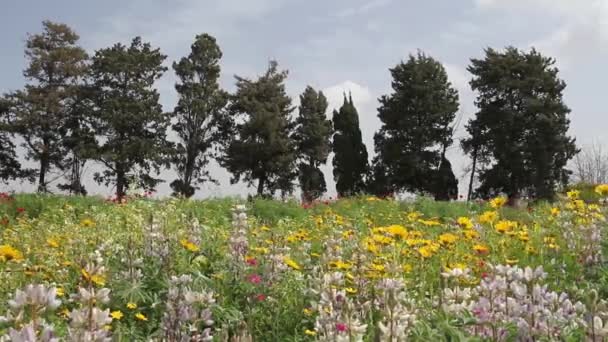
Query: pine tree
(41, 113)
(200, 106)
(313, 139)
(416, 131)
(350, 154)
(257, 137)
(521, 124)
(129, 119)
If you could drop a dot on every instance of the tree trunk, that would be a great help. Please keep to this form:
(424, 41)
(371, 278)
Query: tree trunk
(261, 184)
(121, 184)
(44, 166)
(470, 192)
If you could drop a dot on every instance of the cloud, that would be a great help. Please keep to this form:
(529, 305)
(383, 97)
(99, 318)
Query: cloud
(362, 9)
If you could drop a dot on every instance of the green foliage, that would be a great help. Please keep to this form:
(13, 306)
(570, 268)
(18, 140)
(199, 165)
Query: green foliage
(130, 121)
(44, 112)
(416, 130)
(200, 104)
(350, 154)
(313, 139)
(10, 168)
(587, 192)
(259, 144)
(521, 125)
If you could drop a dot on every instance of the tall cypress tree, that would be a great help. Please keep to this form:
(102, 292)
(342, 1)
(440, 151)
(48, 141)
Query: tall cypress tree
(42, 112)
(259, 145)
(521, 124)
(130, 121)
(313, 139)
(416, 131)
(199, 108)
(350, 154)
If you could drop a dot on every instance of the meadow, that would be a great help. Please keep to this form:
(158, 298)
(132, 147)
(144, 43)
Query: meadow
(360, 269)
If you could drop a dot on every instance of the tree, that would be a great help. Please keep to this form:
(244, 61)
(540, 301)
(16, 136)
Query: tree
(10, 168)
(350, 154)
(130, 123)
(258, 143)
(199, 108)
(313, 139)
(41, 112)
(522, 124)
(591, 165)
(416, 131)
(445, 184)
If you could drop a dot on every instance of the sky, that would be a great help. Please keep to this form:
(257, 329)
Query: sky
(337, 46)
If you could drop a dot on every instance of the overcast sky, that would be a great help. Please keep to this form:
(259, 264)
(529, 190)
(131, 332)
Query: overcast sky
(337, 46)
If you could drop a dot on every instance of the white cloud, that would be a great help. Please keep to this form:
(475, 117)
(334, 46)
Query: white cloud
(362, 9)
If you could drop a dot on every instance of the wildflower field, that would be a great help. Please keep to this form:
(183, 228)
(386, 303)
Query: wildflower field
(364, 269)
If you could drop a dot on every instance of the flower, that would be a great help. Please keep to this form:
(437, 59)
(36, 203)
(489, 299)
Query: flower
(310, 332)
(397, 231)
(52, 243)
(190, 246)
(505, 226)
(341, 327)
(251, 261)
(117, 315)
(350, 290)
(131, 305)
(465, 222)
(291, 263)
(481, 249)
(59, 292)
(573, 194)
(141, 316)
(9, 253)
(447, 238)
(498, 202)
(602, 189)
(254, 279)
(87, 223)
(488, 216)
(260, 297)
(554, 211)
(20, 210)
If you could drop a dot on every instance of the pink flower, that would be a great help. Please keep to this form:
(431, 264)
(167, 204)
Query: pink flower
(254, 279)
(341, 327)
(261, 297)
(20, 210)
(251, 261)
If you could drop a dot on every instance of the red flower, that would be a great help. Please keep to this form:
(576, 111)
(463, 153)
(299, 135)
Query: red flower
(251, 261)
(20, 210)
(484, 275)
(254, 279)
(261, 297)
(341, 327)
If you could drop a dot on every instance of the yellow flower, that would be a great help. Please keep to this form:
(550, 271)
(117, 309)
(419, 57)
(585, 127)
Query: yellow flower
(488, 216)
(511, 262)
(425, 252)
(265, 228)
(447, 238)
(8, 253)
(498, 202)
(481, 249)
(307, 311)
(407, 268)
(52, 243)
(341, 265)
(554, 211)
(430, 223)
(350, 290)
(87, 223)
(310, 332)
(141, 316)
(573, 194)
(465, 222)
(372, 198)
(189, 245)
(291, 263)
(397, 231)
(470, 234)
(131, 305)
(117, 315)
(505, 226)
(602, 189)
(59, 291)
